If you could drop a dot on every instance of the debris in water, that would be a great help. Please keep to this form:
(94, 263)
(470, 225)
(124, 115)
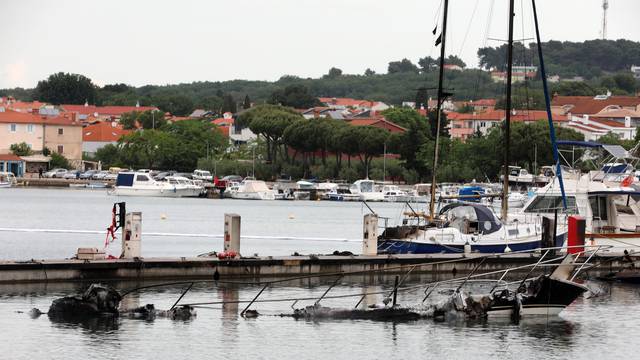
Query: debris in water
(97, 300)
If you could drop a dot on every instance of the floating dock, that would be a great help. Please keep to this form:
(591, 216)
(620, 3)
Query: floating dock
(286, 266)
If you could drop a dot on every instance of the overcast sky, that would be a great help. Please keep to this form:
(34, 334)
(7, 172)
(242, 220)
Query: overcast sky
(166, 42)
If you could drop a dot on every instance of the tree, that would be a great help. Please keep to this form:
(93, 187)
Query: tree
(333, 73)
(369, 72)
(403, 116)
(179, 105)
(109, 155)
(454, 60)
(149, 119)
(433, 119)
(65, 88)
(428, 64)
(59, 161)
(20, 149)
(229, 104)
(402, 66)
(246, 104)
(371, 142)
(269, 121)
(296, 96)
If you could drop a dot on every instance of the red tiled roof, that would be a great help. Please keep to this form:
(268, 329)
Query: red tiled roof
(588, 105)
(223, 121)
(609, 123)
(373, 121)
(22, 105)
(104, 131)
(10, 116)
(587, 127)
(499, 115)
(105, 110)
(621, 113)
(9, 157)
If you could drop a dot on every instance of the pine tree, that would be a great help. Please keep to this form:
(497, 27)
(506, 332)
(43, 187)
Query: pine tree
(247, 102)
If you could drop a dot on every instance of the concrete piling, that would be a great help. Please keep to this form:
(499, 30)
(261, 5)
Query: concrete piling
(132, 236)
(232, 233)
(370, 235)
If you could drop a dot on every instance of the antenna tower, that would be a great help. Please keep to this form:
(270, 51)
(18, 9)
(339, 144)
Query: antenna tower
(605, 6)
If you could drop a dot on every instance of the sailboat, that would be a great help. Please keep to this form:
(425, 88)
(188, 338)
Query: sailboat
(462, 226)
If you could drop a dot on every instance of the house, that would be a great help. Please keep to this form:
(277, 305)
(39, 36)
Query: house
(482, 105)
(379, 122)
(516, 76)
(587, 105)
(200, 113)
(12, 163)
(97, 135)
(463, 126)
(453, 67)
(594, 128)
(86, 111)
(61, 134)
(344, 103)
(227, 125)
(635, 70)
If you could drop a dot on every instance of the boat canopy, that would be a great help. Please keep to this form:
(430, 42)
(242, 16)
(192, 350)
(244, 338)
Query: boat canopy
(255, 186)
(125, 179)
(485, 219)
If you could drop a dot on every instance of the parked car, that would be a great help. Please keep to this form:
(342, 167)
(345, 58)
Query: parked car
(100, 175)
(88, 174)
(73, 174)
(55, 173)
(111, 176)
(203, 175)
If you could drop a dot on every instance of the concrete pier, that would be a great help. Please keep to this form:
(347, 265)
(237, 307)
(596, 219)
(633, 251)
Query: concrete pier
(287, 266)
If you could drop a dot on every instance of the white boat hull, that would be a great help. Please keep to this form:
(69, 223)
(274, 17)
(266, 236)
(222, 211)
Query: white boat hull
(253, 195)
(157, 192)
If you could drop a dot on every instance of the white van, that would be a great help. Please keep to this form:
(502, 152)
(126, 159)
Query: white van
(203, 175)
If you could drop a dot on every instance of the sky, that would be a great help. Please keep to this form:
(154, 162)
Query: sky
(142, 42)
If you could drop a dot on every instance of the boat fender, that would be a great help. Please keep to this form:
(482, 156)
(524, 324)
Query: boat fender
(517, 308)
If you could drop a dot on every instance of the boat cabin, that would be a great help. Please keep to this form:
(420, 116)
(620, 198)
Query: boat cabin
(133, 178)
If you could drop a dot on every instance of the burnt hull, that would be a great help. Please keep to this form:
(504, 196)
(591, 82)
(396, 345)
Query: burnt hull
(542, 296)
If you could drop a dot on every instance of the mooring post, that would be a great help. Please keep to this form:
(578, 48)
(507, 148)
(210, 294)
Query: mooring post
(132, 236)
(370, 235)
(232, 233)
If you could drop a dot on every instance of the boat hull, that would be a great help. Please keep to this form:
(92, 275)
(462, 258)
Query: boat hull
(128, 191)
(415, 247)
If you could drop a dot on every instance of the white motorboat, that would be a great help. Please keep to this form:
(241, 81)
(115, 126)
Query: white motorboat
(392, 193)
(365, 189)
(7, 179)
(253, 190)
(141, 184)
(195, 190)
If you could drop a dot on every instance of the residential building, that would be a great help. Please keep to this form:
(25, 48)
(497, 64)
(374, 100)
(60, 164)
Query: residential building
(594, 128)
(587, 105)
(97, 135)
(88, 112)
(463, 126)
(344, 103)
(635, 70)
(61, 134)
(482, 105)
(378, 122)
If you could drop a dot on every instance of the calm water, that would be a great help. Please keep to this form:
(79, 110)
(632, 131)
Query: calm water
(606, 326)
(273, 227)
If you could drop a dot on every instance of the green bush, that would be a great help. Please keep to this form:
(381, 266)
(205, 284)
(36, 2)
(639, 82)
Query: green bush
(59, 161)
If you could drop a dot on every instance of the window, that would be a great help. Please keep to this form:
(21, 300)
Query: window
(142, 178)
(60, 131)
(13, 127)
(598, 207)
(548, 204)
(31, 128)
(60, 149)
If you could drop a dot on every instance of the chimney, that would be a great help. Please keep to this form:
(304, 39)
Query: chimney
(35, 111)
(627, 121)
(585, 119)
(73, 117)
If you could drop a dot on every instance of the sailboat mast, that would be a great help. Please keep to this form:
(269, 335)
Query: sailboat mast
(507, 120)
(438, 111)
(547, 102)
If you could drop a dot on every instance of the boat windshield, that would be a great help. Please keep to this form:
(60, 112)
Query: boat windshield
(550, 203)
(366, 186)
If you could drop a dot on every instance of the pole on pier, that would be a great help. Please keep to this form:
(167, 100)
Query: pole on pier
(132, 236)
(232, 233)
(370, 235)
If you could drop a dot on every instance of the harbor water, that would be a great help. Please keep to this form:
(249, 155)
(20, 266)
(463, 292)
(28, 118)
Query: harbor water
(602, 326)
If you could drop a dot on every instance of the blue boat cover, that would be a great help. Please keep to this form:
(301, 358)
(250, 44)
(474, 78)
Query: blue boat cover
(124, 180)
